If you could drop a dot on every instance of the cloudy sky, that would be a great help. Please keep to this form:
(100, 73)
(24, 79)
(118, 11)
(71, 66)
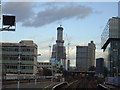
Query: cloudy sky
(37, 21)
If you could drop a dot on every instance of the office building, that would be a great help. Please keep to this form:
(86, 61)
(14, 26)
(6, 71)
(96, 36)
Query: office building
(111, 40)
(91, 53)
(82, 58)
(19, 57)
(99, 66)
(85, 56)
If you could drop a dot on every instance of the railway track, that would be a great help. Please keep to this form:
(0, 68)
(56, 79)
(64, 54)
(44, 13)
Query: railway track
(81, 84)
(84, 83)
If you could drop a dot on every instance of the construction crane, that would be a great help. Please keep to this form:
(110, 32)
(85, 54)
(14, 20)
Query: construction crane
(68, 53)
(50, 46)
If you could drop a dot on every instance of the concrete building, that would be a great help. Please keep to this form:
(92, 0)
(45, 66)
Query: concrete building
(85, 56)
(91, 54)
(59, 51)
(82, 58)
(110, 40)
(19, 57)
(99, 66)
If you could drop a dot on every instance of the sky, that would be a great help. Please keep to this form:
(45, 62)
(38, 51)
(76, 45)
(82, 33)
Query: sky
(38, 21)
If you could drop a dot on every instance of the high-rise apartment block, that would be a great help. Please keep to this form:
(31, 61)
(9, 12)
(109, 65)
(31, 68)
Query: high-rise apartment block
(85, 56)
(23, 54)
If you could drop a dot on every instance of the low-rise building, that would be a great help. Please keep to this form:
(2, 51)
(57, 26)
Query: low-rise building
(19, 57)
(47, 65)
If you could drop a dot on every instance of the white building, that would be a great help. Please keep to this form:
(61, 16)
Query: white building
(19, 57)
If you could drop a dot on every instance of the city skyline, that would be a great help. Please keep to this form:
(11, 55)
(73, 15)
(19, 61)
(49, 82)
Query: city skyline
(83, 23)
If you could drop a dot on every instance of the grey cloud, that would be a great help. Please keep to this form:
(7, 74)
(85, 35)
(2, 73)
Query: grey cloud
(45, 43)
(53, 14)
(22, 10)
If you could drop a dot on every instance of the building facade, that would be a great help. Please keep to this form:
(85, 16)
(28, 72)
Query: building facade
(111, 40)
(91, 54)
(99, 66)
(85, 56)
(82, 58)
(19, 57)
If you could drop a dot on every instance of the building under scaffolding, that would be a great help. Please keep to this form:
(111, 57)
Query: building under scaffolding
(59, 51)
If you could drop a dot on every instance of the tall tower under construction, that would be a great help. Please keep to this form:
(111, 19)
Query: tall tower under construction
(59, 51)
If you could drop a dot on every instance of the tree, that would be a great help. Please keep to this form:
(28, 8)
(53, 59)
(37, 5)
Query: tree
(92, 68)
(47, 72)
(105, 72)
(40, 72)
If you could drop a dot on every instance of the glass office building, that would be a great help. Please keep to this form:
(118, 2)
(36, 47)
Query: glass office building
(110, 40)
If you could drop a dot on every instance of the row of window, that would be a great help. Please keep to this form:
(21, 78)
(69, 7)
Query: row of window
(44, 63)
(11, 72)
(17, 49)
(17, 55)
(16, 58)
(46, 67)
(21, 67)
(27, 50)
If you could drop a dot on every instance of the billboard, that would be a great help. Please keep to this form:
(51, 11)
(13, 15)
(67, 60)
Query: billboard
(8, 20)
(53, 60)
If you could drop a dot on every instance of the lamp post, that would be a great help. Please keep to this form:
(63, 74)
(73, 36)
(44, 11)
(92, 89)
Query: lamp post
(19, 70)
(7, 23)
(52, 71)
(36, 67)
(118, 64)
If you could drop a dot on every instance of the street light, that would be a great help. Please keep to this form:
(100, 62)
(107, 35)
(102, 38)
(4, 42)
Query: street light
(19, 62)
(52, 71)
(8, 23)
(36, 67)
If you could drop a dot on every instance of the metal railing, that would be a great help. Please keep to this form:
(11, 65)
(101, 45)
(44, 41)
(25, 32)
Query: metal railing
(26, 77)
